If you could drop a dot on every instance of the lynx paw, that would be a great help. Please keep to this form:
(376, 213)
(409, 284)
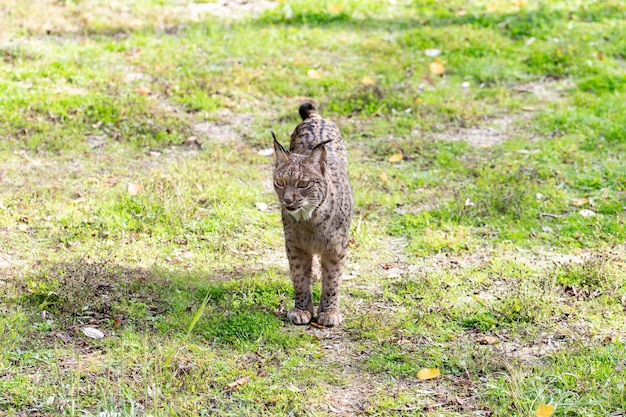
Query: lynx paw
(329, 318)
(298, 316)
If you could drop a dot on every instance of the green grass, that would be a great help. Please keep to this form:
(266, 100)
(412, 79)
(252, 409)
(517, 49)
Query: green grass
(129, 145)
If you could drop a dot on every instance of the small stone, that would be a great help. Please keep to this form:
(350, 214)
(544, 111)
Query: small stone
(587, 213)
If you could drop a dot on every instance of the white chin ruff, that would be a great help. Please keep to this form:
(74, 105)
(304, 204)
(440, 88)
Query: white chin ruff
(302, 214)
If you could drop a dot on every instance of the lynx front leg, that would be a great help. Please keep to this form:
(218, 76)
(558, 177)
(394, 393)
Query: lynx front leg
(332, 270)
(300, 267)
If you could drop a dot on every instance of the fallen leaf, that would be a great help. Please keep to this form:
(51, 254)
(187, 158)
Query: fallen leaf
(580, 202)
(396, 157)
(193, 141)
(436, 67)
(143, 91)
(266, 152)
(334, 8)
(314, 74)
(78, 200)
(134, 189)
(544, 410)
(241, 381)
(93, 333)
(183, 368)
(428, 80)
(428, 373)
(261, 206)
(383, 177)
(488, 340)
(117, 322)
(607, 340)
(368, 82)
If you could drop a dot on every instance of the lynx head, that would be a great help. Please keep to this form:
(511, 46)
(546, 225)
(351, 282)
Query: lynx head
(300, 180)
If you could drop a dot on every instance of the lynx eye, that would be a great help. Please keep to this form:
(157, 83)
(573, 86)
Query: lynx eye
(303, 184)
(279, 183)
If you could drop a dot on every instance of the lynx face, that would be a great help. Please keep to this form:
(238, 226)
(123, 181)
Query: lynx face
(299, 181)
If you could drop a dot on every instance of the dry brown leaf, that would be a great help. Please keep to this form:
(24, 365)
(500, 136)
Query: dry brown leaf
(314, 74)
(241, 381)
(383, 177)
(396, 157)
(78, 200)
(580, 202)
(134, 189)
(368, 82)
(544, 410)
(436, 67)
(428, 373)
(488, 340)
(143, 91)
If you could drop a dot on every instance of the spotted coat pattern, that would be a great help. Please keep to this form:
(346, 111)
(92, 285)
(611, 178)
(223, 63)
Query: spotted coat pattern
(311, 182)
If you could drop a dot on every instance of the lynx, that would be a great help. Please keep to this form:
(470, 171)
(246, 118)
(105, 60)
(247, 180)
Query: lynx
(311, 182)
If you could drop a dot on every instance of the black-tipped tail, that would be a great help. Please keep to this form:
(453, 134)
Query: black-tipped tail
(305, 110)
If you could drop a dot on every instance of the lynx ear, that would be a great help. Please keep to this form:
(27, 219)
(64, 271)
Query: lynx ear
(282, 155)
(318, 156)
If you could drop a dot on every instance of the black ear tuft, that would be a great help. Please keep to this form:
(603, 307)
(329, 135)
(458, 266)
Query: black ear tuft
(282, 155)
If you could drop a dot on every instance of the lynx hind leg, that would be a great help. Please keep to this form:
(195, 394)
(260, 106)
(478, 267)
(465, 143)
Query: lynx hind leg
(332, 271)
(300, 273)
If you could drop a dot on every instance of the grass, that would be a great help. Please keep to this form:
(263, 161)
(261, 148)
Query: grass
(130, 138)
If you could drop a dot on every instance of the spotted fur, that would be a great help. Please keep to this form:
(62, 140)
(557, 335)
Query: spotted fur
(311, 182)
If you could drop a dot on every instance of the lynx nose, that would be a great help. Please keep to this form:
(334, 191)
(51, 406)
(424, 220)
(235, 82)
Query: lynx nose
(289, 198)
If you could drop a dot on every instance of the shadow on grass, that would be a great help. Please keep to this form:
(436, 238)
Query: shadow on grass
(243, 307)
